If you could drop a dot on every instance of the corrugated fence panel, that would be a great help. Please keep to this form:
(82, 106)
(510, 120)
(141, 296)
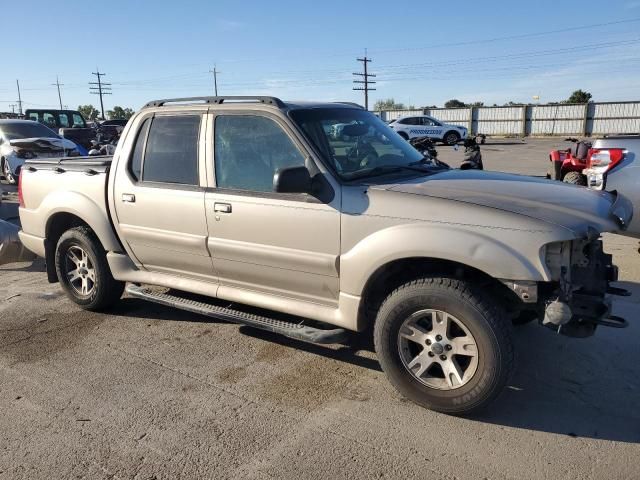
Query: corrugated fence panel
(550, 112)
(613, 110)
(450, 115)
(498, 120)
(604, 126)
(556, 127)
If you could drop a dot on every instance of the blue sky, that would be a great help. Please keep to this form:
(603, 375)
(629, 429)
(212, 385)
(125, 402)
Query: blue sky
(424, 52)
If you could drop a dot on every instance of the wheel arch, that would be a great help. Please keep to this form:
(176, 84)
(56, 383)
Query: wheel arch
(391, 275)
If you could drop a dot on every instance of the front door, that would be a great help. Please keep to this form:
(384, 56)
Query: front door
(159, 202)
(261, 241)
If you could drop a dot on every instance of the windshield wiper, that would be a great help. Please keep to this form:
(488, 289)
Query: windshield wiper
(384, 169)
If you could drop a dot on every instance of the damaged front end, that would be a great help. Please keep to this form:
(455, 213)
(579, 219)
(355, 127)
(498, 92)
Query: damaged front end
(579, 300)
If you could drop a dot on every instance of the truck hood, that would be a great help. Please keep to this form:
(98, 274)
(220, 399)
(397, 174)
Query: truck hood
(569, 206)
(43, 144)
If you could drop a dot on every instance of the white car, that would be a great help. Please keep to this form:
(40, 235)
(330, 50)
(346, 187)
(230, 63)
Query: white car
(425, 126)
(22, 140)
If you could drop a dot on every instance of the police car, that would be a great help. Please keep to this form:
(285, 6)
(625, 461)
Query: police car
(425, 126)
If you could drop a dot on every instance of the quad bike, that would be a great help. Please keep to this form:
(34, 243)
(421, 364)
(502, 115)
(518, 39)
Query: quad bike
(567, 165)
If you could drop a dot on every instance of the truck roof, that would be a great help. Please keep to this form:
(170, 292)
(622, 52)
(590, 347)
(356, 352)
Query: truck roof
(272, 101)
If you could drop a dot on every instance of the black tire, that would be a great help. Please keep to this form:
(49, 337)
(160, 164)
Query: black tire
(575, 178)
(404, 135)
(451, 138)
(484, 319)
(105, 290)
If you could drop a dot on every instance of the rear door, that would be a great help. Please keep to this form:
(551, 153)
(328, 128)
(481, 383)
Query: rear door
(158, 198)
(285, 245)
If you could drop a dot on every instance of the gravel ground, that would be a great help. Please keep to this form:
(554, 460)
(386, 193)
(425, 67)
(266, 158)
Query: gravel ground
(151, 392)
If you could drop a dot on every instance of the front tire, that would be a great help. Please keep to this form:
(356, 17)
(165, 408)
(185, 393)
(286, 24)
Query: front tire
(575, 178)
(444, 345)
(83, 271)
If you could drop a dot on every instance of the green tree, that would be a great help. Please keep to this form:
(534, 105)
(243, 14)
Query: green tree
(579, 96)
(89, 112)
(454, 103)
(388, 104)
(119, 113)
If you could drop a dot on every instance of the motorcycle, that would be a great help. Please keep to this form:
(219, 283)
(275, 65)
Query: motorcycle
(567, 165)
(472, 155)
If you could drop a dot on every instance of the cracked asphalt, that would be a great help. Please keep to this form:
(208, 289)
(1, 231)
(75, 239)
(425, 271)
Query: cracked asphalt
(149, 392)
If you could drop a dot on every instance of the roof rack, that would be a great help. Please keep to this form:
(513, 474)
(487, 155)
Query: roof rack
(353, 104)
(218, 101)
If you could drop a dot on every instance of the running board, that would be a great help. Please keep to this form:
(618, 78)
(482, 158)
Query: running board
(298, 331)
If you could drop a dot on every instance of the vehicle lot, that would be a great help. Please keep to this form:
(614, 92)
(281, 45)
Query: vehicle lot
(151, 392)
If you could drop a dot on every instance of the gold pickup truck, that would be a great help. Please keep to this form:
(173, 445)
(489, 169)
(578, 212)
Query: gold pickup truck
(251, 200)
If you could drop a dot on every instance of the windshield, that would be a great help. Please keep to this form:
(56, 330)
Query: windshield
(356, 142)
(16, 130)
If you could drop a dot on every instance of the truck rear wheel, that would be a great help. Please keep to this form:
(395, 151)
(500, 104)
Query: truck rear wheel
(443, 345)
(83, 271)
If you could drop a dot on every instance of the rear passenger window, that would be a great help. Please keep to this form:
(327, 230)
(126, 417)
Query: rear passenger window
(135, 167)
(171, 155)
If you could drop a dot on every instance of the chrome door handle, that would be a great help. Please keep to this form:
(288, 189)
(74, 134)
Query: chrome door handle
(222, 207)
(128, 198)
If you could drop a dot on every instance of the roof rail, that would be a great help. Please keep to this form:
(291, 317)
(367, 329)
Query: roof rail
(217, 100)
(353, 104)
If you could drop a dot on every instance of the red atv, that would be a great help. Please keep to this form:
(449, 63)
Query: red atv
(567, 165)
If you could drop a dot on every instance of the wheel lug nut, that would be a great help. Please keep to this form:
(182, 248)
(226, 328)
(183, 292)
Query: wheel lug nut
(431, 354)
(438, 337)
(448, 347)
(428, 342)
(443, 357)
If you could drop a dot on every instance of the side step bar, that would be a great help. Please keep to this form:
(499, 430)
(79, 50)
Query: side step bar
(289, 329)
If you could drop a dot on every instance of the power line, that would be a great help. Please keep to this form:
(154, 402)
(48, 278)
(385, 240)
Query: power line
(101, 89)
(365, 80)
(58, 84)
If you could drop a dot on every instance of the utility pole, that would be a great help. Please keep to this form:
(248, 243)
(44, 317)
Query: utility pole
(19, 99)
(13, 107)
(58, 84)
(215, 79)
(100, 88)
(365, 80)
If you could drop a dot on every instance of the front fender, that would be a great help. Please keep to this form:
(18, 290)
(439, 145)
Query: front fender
(499, 252)
(36, 222)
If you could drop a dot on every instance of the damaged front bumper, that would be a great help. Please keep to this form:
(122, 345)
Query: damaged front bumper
(581, 299)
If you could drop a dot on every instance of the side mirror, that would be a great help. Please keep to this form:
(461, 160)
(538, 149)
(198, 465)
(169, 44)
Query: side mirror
(292, 180)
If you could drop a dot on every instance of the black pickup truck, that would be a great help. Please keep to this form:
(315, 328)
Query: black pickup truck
(68, 123)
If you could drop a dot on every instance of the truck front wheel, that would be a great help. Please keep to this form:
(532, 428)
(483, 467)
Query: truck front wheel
(83, 271)
(443, 345)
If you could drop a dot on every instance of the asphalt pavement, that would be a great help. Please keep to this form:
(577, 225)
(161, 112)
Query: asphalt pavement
(152, 392)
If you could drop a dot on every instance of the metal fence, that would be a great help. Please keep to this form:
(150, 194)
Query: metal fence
(537, 120)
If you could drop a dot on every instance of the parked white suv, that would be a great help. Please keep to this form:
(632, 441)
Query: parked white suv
(425, 126)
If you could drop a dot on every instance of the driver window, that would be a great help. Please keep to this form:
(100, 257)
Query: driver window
(249, 150)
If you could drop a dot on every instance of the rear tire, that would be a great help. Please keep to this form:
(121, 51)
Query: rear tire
(83, 271)
(451, 138)
(575, 178)
(467, 367)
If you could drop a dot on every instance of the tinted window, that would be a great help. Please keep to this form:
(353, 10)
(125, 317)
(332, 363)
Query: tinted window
(25, 129)
(64, 120)
(135, 167)
(249, 150)
(171, 155)
(411, 121)
(78, 121)
(49, 120)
